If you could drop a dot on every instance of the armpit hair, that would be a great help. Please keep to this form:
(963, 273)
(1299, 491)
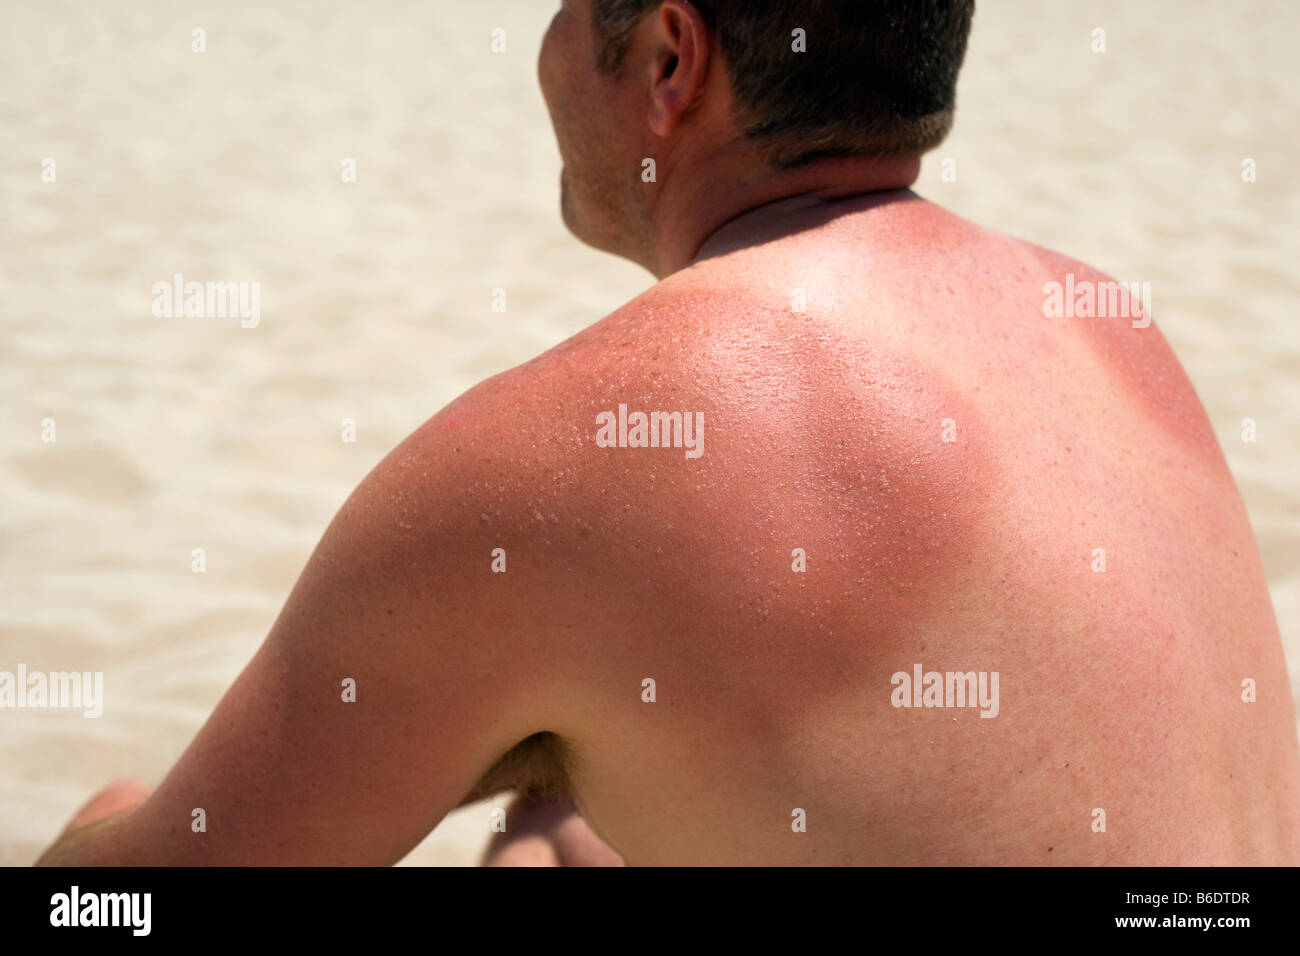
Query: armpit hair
(537, 767)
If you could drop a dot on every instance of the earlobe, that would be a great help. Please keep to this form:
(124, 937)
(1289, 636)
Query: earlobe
(665, 102)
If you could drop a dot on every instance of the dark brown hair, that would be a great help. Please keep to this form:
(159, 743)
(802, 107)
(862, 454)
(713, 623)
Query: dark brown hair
(878, 77)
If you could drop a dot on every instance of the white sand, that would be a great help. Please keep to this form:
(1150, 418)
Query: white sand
(175, 434)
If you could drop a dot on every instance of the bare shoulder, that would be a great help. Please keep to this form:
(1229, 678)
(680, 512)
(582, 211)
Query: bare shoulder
(514, 473)
(537, 421)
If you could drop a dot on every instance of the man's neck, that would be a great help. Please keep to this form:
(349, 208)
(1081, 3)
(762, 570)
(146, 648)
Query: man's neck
(717, 209)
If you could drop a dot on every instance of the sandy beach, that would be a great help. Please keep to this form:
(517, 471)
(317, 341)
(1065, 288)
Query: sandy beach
(376, 296)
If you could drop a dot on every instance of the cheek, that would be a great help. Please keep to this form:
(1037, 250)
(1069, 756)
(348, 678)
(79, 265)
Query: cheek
(551, 60)
(544, 57)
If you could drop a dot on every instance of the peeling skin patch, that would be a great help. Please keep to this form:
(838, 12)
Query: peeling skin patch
(840, 442)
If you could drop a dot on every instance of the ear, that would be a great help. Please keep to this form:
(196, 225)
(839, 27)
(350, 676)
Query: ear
(679, 63)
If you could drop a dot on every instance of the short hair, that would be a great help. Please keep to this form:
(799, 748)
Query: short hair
(878, 77)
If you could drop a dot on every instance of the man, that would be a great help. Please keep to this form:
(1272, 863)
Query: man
(836, 546)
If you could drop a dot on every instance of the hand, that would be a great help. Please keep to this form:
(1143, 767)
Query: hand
(548, 833)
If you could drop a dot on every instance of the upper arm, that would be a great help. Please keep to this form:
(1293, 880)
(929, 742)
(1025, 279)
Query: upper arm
(398, 598)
